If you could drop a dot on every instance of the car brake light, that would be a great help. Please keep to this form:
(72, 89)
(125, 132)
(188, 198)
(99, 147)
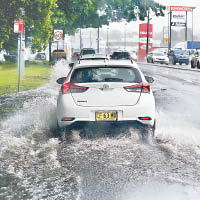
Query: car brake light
(67, 119)
(144, 118)
(66, 87)
(130, 58)
(140, 87)
(145, 88)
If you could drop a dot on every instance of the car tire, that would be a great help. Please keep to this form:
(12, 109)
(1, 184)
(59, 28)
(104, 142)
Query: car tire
(173, 62)
(192, 65)
(198, 65)
(148, 133)
(67, 134)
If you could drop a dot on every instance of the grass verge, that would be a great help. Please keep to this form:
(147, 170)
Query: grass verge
(35, 75)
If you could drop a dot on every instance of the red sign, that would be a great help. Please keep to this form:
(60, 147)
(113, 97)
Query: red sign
(179, 8)
(58, 35)
(143, 40)
(18, 26)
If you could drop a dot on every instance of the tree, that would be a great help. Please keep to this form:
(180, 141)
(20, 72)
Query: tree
(37, 21)
(41, 16)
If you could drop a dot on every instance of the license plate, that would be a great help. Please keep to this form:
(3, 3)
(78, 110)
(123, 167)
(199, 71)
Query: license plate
(107, 116)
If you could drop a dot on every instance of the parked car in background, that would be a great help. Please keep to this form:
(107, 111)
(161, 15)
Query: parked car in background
(121, 55)
(178, 56)
(86, 51)
(195, 62)
(10, 57)
(157, 57)
(40, 56)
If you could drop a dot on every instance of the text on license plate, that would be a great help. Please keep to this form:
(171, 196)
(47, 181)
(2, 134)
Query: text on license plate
(108, 115)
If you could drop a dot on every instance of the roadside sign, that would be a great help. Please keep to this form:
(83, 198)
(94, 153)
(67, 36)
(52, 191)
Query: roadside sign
(143, 40)
(180, 24)
(179, 8)
(179, 17)
(18, 26)
(58, 35)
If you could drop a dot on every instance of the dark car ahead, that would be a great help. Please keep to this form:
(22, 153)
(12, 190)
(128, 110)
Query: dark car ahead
(121, 55)
(86, 51)
(178, 56)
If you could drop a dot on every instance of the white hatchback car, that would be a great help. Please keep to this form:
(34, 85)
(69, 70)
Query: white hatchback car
(105, 92)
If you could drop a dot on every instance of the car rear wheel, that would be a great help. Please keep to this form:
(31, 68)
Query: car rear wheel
(198, 65)
(148, 133)
(192, 64)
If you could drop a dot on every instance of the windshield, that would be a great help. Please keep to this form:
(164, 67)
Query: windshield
(88, 51)
(158, 54)
(106, 74)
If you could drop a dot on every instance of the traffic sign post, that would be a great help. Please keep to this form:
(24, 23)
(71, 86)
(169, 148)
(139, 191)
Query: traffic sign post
(18, 28)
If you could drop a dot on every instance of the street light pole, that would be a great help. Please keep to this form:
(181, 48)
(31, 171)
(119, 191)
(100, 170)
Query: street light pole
(80, 40)
(107, 40)
(125, 36)
(192, 27)
(98, 40)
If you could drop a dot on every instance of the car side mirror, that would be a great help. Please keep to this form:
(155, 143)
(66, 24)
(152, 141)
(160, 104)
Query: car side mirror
(61, 80)
(71, 64)
(149, 79)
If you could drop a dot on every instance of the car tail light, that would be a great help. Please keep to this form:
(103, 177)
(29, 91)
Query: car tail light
(130, 57)
(66, 87)
(144, 118)
(68, 119)
(115, 58)
(140, 87)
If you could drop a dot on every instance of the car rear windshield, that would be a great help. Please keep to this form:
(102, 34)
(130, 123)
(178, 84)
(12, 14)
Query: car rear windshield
(106, 74)
(88, 51)
(121, 55)
(158, 54)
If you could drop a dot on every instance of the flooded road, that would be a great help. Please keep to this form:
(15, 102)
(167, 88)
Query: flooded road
(34, 164)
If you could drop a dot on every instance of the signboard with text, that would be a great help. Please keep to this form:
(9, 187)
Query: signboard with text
(143, 40)
(18, 26)
(179, 8)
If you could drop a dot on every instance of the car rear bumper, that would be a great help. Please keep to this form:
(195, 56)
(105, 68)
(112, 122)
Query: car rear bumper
(80, 114)
(80, 125)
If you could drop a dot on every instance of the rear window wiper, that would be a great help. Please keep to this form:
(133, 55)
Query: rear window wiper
(113, 80)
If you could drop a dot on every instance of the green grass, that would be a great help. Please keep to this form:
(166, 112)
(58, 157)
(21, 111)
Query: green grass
(35, 75)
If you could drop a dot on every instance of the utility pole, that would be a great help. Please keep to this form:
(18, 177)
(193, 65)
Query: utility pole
(170, 29)
(125, 36)
(186, 27)
(98, 40)
(192, 27)
(80, 40)
(147, 46)
(107, 40)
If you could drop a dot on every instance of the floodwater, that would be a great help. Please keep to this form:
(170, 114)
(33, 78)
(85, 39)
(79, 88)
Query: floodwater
(34, 164)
